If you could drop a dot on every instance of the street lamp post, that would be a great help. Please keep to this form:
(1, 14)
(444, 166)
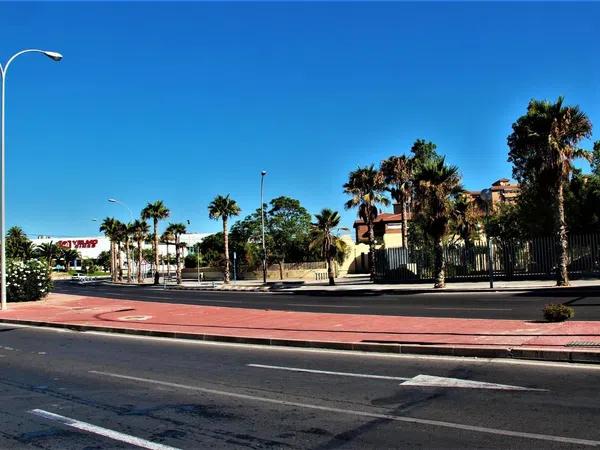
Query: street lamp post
(486, 196)
(114, 200)
(3, 71)
(262, 218)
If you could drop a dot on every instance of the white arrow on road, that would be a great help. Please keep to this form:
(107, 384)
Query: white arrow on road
(432, 381)
(419, 380)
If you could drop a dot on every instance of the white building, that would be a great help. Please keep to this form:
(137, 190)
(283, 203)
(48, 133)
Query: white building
(92, 246)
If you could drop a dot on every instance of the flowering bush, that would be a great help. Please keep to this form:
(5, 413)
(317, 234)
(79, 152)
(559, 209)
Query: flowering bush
(27, 280)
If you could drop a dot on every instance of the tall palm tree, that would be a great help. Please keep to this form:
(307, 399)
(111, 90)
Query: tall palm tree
(177, 229)
(435, 186)
(128, 234)
(328, 244)
(155, 211)
(223, 208)
(140, 230)
(166, 238)
(48, 251)
(398, 173)
(367, 186)
(109, 228)
(120, 236)
(543, 146)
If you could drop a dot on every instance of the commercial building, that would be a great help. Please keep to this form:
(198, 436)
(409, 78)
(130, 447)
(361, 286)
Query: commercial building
(90, 247)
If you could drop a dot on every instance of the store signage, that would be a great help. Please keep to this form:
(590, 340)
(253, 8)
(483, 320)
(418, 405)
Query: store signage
(78, 243)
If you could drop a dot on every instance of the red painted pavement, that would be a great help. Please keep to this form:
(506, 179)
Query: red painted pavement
(325, 327)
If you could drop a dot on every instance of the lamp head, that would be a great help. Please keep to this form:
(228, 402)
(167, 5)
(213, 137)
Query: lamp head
(263, 173)
(53, 55)
(112, 200)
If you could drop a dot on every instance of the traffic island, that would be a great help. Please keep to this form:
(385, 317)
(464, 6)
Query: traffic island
(484, 338)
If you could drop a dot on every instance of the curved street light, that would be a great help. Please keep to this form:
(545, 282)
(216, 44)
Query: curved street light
(114, 200)
(3, 71)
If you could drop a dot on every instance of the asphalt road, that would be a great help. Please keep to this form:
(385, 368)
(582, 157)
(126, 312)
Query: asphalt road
(70, 390)
(493, 305)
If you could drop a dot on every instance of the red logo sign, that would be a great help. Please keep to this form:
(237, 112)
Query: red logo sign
(79, 243)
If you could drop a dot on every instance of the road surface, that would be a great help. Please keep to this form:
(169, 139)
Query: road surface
(70, 390)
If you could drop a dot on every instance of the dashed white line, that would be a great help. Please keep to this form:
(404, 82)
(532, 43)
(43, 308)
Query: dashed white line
(405, 419)
(106, 432)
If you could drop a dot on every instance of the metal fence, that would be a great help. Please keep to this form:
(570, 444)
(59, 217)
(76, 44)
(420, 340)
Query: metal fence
(537, 258)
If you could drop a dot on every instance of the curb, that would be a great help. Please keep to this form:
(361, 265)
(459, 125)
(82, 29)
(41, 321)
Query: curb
(220, 289)
(538, 354)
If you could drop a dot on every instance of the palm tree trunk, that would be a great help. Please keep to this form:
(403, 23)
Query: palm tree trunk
(562, 273)
(140, 277)
(127, 255)
(404, 225)
(120, 261)
(178, 258)
(168, 262)
(113, 261)
(371, 250)
(330, 271)
(438, 252)
(281, 262)
(156, 274)
(226, 276)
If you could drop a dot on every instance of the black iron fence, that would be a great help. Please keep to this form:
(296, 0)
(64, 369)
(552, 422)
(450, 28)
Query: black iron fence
(537, 258)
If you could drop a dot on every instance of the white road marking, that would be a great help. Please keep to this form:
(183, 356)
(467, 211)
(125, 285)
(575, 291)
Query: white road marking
(428, 380)
(437, 423)
(115, 435)
(328, 306)
(326, 372)
(419, 380)
(468, 309)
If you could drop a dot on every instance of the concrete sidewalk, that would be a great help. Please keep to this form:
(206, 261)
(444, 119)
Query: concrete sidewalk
(568, 341)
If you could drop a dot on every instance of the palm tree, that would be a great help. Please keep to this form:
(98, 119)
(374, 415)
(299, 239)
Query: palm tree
(398, 173)
(109, 228)
(329, 245)
(224, 208)
(166, 238)
(128, 236)
(155, 211)
(176, 230)
(367, 185)
(68, 255)
(120, 236)
(435, 186)
(543, 146)
(48, 251)
(140, 230)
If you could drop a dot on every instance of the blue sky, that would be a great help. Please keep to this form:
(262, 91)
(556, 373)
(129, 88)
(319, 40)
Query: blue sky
(181, 102)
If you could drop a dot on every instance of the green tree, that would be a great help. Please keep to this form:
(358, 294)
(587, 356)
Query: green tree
(223, 208)
(110, 227)
(47, 251)
(67, 256)
(104, 260)
(176, 230)
(120, 236)
(167, 238)
(326, 242)
(543, 146)
(140, 231)
(436, 184)
(595, 161)
(367, 186)
(398, 173)
(288, 225)
(18, 246)
(155, 211)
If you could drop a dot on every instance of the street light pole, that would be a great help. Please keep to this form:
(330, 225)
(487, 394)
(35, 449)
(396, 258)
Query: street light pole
(114, 200)
(262, 218)
(3, 71)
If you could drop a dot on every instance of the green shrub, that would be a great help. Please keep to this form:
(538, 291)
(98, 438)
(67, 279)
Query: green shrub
(27, 280)
(558, 312)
